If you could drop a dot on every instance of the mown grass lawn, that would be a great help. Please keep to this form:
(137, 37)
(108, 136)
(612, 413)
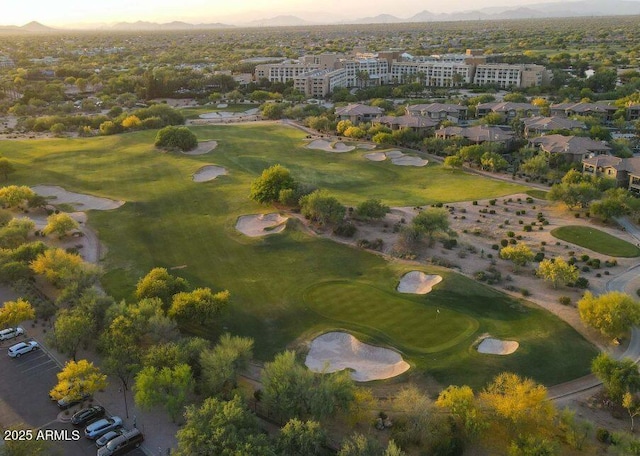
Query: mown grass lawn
(596, 240)
(292, 285)
(540, 194)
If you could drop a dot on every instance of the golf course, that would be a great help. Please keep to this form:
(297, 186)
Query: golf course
(291, 286)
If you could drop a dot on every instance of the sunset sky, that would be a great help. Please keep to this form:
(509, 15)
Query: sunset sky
(69, 12)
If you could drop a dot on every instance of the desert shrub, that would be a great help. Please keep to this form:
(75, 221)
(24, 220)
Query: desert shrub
(564, 300)
(495, 247)
(539, 257)
(449, 243)
(582, 283)
(527, 228)
(510, 234)
(504, 242)
(346, 229)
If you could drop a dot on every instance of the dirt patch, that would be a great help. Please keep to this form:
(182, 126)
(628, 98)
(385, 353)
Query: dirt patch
(337, 147)
(417, 282)
(208, 173)
(79, 201)
(493, 346)
(256, 225)
(335, 351)
(204, 147)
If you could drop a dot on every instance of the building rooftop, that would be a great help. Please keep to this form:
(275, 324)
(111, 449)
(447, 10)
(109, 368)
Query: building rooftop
(552, 123)
(560, 144)
(356, 109)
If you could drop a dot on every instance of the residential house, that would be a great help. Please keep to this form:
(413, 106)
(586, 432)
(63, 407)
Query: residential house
(536, 126)
(507, 109)
(478, 134)
(439, 112)
(602, 111)
(633, 112)
(358, 113)
(626, 171)
(573, 148)
(418, 124)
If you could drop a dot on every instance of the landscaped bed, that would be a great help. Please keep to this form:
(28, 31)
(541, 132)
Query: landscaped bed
(596, 240)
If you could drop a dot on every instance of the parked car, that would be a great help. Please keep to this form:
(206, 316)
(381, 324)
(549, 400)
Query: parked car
(17, 350)
(70, 401)
(122, 444)
(101, 427)
(102, 441)
(10, 333)
(87, 415)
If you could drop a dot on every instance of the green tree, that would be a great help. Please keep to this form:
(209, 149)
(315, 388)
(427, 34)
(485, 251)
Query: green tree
(432, 220)
(536, 166)
(631, 403)
(342, 126)
(78, 378)
(472, 154)
(16, 232)
(575, 431)
(322, 208)
(360, 445)
(382, 138)
(198, 306)
(172, 137)
(14, 312)
(273, 111)
(493, 161)
(6, 168)
(221, 364)
(224, 428)
(557, 271)
(520, 255)
(453, 161)
(532, 445)
(267, 188)
(301, 438)
(110, 128)
(158, 283)
(62, 268)
(611, 313)
(292, 390)
(14, 195)
(618, 377)
(372, 209)
(60, 224)
(464, 407)
(354, 132)
(71, 329)
(169, 387)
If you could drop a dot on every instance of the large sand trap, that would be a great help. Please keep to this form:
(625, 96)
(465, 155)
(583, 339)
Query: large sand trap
(376, 156)
(321, 144)
(366, 146)
(497, 347)
(261, 224)
(417, 282)
(409, 161)
(394, 154)
(208, 173)
(204, 147)
(336, 351)
(79, 201)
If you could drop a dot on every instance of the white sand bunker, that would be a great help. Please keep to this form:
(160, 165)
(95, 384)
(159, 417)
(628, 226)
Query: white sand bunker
(336, 351)
(321, 144)
(79, 201)
(417, 282)
(366, 146)
(376, 156)
(208, 173)
(204, 147)
(394, 154)
(408, 160)
(261, 224)
(497, 347)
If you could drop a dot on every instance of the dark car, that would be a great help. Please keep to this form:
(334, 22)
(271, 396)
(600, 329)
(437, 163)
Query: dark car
(70, 401)
(85, 416)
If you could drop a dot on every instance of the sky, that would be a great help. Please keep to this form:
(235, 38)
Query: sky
(72, 12)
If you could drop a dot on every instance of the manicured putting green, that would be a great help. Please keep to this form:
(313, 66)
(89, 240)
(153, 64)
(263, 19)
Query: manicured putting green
(411, 325)
(596, 240)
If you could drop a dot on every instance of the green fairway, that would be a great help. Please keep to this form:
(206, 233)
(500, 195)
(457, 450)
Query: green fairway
(540, 194)
(278, 283)
(194, 112)
(596, 240)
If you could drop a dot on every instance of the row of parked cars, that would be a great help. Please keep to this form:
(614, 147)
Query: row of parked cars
(110, 437)
(19, 349)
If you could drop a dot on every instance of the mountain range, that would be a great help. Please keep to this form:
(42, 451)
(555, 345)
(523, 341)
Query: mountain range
(581, 8)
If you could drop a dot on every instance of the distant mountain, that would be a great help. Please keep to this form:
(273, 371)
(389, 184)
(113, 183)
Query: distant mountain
(279, 21)
(379, 19)
(154, 26)
(31, 27)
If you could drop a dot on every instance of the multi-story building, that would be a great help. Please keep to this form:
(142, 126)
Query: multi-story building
(366, 72)
(536, 126)
(625, 171)
(320, 83)
(283, 72)
(603, 111)
(433, 74)
(573, 148)
(509, 75)
(439, 112)
(507, 109)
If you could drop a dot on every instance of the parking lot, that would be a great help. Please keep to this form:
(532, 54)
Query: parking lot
(24, 398)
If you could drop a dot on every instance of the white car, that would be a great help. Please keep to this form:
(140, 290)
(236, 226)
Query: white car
(101, 427)
(17, 350)
(10, 333)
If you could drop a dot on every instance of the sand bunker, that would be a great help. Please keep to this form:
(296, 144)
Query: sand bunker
(376, 156)
(204, 147)
(261, 224)
(79, 201)
(336, 351)
(417, 282)
(337, 147)
(497, 347)
(409, 161)
(366, 146)
(209, 172)
(394, 154)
